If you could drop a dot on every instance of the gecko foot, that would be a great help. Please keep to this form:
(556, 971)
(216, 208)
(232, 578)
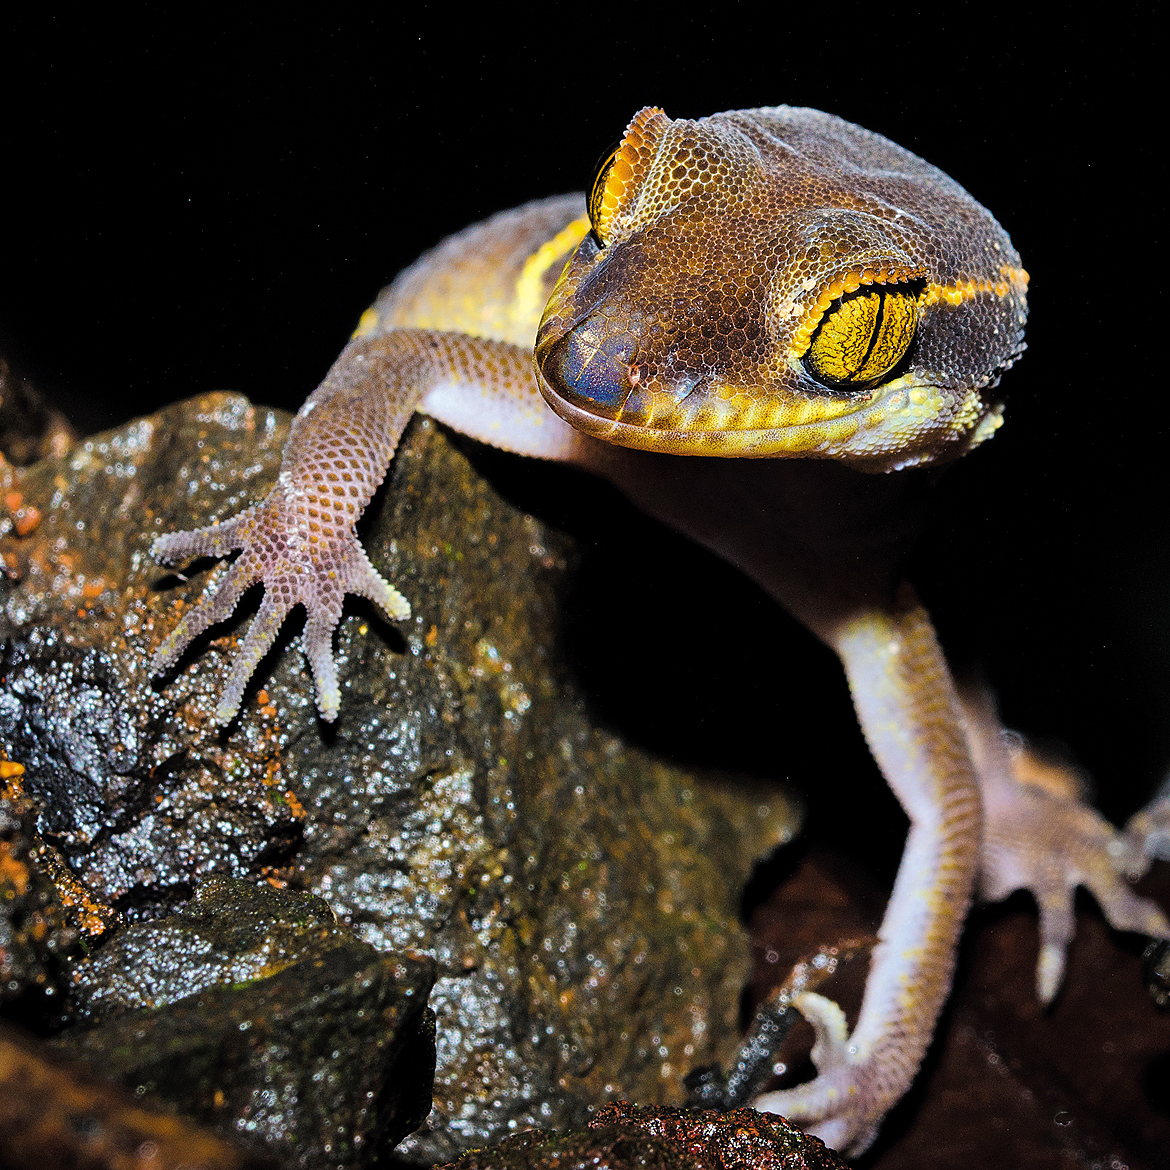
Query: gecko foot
(1041, 836)
(299, 562)
(845, 1103)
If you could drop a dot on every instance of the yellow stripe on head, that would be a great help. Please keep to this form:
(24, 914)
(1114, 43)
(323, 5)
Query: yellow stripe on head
(531, 295)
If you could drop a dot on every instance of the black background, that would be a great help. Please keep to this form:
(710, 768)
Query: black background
(211, 204)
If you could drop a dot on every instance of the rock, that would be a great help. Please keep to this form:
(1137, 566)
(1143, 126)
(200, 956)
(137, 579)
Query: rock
(53, 1115)
(612, 1148)
(231, 932)
(580, 898)
(36, 936)
(630, 1137)
(266, 1020)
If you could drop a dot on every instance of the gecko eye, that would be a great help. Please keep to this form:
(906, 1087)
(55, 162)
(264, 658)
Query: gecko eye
(863, 337)
(597, 189)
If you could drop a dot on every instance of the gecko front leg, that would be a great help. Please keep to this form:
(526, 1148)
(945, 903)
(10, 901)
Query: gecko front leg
(910, 714)
(985, 809)
(300, 541)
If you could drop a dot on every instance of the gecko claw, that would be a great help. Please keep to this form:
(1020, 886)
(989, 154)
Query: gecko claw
(215, 606)
(261, 634)
(829, 1026)
(367, 582)
(318, 645)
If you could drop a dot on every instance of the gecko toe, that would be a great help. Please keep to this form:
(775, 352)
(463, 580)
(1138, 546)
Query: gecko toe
(298, 561)
(318, 644)
(829, 1026)
(1148, 830)
(1041, 835)
(1056, 931)
(1049, 844)
(216, 540)
(366, 581)
(261, 634)
(841, 1104)
(215, 606)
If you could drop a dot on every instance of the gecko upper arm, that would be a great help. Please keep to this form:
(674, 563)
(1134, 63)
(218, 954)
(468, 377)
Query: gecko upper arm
(772, 284)
(492, 280)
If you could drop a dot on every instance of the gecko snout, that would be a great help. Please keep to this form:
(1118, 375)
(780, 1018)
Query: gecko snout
(590, 364)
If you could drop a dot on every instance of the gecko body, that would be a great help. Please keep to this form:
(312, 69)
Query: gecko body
(761, 320)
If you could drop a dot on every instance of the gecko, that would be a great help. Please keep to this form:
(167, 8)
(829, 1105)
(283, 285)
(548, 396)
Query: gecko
(756, 326)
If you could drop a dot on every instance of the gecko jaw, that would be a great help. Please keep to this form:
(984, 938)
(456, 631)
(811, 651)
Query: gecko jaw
(907, 421)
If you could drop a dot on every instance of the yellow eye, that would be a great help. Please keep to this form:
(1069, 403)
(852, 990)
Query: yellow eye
(597, 188)
(863, 338)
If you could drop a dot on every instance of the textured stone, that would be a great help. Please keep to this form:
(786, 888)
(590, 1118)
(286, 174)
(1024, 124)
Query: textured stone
(36, 935)
(326, 1063)
(54, 1115)
(580, 898)
(631, 1137)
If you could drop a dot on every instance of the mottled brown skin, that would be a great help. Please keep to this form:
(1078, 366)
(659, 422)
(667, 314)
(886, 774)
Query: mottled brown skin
(772, 284)
(680, 322)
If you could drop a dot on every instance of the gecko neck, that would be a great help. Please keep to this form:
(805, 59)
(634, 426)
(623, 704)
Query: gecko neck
(824, 540)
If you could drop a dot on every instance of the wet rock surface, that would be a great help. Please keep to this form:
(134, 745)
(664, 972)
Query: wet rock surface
(579, 898)
(54, 1115)
(230, 932)
(630, 1137)
(37, 937)
(318, 1052)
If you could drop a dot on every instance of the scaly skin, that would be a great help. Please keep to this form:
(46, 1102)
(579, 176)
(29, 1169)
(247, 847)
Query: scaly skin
(908, 709)
(300, 541)
(772, 284)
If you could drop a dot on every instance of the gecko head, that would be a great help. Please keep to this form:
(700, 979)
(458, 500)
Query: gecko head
(779, 282)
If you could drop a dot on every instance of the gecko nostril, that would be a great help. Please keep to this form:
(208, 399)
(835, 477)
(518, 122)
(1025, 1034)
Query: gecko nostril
(590, 369)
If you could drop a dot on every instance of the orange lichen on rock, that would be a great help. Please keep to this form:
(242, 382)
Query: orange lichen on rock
(85, 910)
(14, 875)
(11, 787)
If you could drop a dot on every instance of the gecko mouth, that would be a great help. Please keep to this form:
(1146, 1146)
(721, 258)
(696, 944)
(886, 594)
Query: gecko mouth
(641, 418)
(598, 381)
(592, 367)
(899, 424)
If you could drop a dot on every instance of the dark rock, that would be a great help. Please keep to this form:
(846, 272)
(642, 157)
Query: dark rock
(328, 1062)
(612, 1148)
(54, 1116)
(579, 898)
(230, 932)
(266, 1018)
(631, 1137)
(741, 1139)
(134, 810)
(36, 937)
